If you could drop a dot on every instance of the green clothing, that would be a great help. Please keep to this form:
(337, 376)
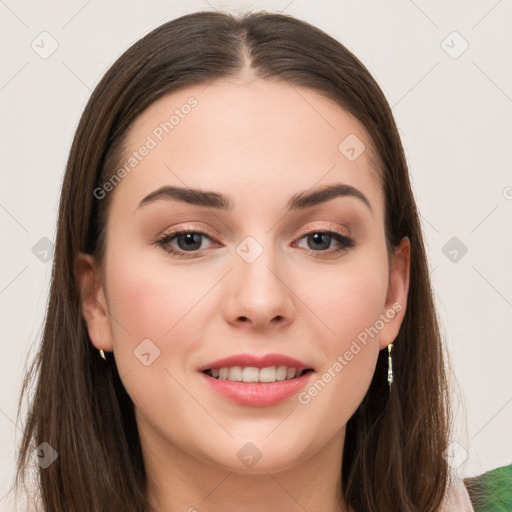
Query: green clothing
(491, 491)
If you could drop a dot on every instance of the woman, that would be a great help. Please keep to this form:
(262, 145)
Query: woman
(240, 314)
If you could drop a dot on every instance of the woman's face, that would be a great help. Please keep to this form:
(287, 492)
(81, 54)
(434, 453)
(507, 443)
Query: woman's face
(254, 276)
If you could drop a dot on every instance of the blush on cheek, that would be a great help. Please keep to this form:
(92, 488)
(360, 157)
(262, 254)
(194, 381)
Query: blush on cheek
(145, 303)
(349, 308)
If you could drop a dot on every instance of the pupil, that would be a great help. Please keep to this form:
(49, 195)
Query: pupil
(318, 238)
(189, 241)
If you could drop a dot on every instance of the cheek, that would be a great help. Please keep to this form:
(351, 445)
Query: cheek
(151, 314)
(350, 348)
(149, 303)
(143, 305)
(348, 300)
(349, 303)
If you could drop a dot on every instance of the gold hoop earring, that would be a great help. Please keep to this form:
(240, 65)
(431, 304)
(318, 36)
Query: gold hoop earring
(390, 365)
(102, 354)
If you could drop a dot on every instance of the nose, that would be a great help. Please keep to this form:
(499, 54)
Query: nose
(259, 295)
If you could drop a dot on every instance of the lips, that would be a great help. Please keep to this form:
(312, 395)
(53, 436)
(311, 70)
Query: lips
(246, 360)
(253, 391)
(257, 394)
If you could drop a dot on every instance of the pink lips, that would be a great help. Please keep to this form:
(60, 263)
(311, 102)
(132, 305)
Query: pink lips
(257, 394)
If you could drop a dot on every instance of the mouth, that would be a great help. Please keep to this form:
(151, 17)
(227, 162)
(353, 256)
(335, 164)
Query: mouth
(252, 374)
(257, 381)
(256, 387)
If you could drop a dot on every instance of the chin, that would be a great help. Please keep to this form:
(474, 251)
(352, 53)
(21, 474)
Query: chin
(253, 459)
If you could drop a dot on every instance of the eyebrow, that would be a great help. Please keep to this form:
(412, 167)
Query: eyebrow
(302, 200)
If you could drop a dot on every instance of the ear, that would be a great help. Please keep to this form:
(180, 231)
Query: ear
(398, 289)
(93, 301)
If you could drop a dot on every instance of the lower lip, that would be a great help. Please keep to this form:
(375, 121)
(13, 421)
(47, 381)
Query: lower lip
(258, 394)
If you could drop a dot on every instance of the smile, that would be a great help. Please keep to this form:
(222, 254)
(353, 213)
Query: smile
(253, 374)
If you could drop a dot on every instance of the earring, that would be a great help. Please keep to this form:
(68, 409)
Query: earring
(390, 365)
(102, 354)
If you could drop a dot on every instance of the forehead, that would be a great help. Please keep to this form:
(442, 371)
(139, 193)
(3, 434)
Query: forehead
(255, 139)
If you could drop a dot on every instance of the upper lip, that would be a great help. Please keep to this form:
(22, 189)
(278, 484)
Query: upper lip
(265, 361)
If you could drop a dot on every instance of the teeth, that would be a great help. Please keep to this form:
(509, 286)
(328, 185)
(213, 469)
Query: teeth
(268, 374)
(252, 374)
(235, 374)
(290, 373)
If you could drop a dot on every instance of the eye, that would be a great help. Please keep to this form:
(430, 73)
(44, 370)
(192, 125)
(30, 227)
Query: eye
(319, 241)
(187, 241)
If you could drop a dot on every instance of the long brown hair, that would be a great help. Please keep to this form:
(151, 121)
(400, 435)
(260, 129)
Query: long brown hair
(392, 457)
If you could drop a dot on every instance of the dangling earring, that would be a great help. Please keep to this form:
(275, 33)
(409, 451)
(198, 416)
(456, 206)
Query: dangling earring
(102, 354)
(390, 365)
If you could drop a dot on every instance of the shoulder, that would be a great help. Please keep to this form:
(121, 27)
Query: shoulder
(457, 498)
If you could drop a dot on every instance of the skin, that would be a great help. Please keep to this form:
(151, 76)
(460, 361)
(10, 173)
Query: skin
(260, 142)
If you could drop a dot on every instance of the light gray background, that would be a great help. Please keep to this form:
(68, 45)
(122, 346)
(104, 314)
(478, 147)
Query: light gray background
(453, 115)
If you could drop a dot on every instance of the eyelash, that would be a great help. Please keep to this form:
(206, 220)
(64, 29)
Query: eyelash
(346, 242)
